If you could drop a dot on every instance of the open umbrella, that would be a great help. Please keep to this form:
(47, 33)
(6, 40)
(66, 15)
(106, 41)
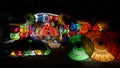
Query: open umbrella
(105, 49)
(29, 18)
(79, 47)
(101, 26)
(84, 26)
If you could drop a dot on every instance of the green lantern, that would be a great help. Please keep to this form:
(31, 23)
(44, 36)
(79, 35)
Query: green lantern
(29, 18)
(15, 36)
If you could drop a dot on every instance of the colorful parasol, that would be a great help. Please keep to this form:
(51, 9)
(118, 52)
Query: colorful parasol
(79, 47)
(84, 26)
(29, 18)
(101, 26)
(105, 49)
(64, 19)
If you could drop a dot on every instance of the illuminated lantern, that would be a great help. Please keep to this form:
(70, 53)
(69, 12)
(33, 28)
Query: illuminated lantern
(63, 19)
(40, 48)
(115, 35)
(53, 45)
(73, 27)
(38, 52)
(105, 49)
(29, 30)
(25, 53)
(50, 18)
(76, 48)
(52, 23)
(41, 17)
(48, 51)
(55, 19)
(84, 26)
(29, 18)
(31, 53)
(15, 36)
(23, 28)
(101, 26)
(23, 31)
(23, 35)
(18, 53)
(12, 54)
(48, 31)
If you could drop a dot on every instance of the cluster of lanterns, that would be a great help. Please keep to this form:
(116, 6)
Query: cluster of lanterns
(80, 40)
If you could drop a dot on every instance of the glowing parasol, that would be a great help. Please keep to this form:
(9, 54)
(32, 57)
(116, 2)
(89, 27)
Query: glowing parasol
(101, 26)
(84, 26)
(64, 19)
(105, 49)
(29, 18)
(77, 46)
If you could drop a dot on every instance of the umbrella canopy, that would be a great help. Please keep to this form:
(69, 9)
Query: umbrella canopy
(30, 19)
(84, 26)
(105, 49)
(79, 47)
(101, 26)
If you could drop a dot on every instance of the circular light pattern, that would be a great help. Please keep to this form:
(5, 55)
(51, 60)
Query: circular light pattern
(29, 18)
(104, 50)
(15, 36)
(84, 26)
(101, 26)
(115, 35)
(41, 17)
(48, 31)
(77, 48)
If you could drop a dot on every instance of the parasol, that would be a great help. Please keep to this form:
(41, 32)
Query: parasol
(79, 47)
(105, 49)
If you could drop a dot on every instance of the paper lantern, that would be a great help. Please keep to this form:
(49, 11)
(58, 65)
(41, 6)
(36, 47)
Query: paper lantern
(15, 36)
(84, 26)
(40, 47)
(29, 18)
(48, 31)
(101, 26)
(41, 17)
(64, 19)
(76, 48)
(105, 49)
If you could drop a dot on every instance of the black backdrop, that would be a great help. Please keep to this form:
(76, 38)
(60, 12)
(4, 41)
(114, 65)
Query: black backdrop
(77, 9)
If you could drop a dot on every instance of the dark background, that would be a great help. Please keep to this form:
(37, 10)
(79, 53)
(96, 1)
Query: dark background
(77, 9)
